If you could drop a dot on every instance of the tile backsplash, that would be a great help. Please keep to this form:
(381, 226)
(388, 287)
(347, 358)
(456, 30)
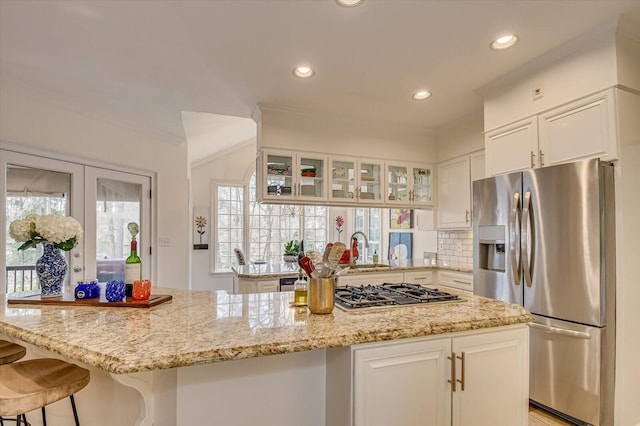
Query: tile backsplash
(455, 248)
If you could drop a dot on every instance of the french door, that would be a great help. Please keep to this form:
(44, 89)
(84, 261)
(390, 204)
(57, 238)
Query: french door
(103, 201)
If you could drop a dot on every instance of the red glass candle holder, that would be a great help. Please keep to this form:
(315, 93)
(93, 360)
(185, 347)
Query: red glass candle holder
(141, 289)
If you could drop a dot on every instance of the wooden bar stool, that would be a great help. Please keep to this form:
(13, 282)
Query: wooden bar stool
(10, 352)
(28, 385)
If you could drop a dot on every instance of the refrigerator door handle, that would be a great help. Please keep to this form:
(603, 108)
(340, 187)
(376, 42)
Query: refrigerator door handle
(563, 331)
(527, 264)
(516, 219)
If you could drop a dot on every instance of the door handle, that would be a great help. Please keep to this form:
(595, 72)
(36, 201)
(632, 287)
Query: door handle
(462, 369)
(563, 331)
(527, 264)
(516, 214)
(452, 358)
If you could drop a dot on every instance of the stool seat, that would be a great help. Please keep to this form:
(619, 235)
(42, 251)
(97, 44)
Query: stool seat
(32, 384)
(10, 352)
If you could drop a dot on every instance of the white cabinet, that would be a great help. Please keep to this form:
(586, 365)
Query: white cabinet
(454, 193)
(455, 184)
(404, 383)
(458, 280)
(285, 176)
(356, 180)
(248, 286)
(582, 129)
(494, 379)
(512, 148)
(477, 378)
(363, 278)
(418, 277)
(409, 184)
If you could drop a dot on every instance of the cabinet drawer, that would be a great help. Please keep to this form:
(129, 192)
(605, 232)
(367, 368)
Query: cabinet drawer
(459, 280)
(418, 277)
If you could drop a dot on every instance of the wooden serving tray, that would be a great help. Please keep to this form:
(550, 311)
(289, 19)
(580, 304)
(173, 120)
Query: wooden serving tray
(68, 299)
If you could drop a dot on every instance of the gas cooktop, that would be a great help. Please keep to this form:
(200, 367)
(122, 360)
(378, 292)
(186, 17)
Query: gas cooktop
(387, 294)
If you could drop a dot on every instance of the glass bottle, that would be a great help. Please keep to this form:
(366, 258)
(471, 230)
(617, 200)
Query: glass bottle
(300, 291)
(132, 267)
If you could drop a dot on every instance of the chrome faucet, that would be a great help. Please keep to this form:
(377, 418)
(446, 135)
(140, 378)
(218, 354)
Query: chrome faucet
(366, 244)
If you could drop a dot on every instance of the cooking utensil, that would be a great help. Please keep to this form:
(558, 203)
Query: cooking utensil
(337, 250)
(307, 265)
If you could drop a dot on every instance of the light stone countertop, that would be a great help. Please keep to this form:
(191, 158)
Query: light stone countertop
(285, 269)
(203, 327)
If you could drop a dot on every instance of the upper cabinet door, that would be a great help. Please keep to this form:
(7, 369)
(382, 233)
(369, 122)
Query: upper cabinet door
(454, 194)
(409, 184)
(342, 178)
(278, 175)
(582, 129)
(421, 185)
(512, 148)
(311, 177)
(370, 180)
(397, 184)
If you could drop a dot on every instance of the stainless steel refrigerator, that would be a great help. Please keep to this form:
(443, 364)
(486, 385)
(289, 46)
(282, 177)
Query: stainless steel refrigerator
(544, 238)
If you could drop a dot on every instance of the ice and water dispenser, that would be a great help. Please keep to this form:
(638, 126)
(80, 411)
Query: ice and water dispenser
(491, 247)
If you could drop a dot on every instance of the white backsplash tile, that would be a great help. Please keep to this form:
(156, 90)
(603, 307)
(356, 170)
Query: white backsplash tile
(448, 244)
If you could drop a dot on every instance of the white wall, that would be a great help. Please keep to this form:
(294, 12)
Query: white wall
(230, 167)
(462, 136)
(337, 136)
(48, 128)
(565, 75)
(627, 180)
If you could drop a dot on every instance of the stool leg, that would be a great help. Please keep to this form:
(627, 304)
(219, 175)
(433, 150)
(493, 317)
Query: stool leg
(75, 413)
(44, 417)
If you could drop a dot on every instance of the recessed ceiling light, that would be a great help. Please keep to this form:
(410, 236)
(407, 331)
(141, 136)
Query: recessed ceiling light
(303, 72)
(504, 42)
(422, 94)
(349, 3)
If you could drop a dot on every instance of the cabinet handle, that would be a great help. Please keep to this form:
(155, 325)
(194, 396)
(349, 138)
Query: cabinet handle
(461, 358)
(419, 278)
(452, 358)
(466, 216)
(541, 158)
(533, 160)
(462, 282)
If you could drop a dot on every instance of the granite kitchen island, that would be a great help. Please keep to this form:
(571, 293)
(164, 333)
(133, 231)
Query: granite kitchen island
(176, 355)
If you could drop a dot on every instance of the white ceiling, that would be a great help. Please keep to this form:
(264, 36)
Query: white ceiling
(171, 69)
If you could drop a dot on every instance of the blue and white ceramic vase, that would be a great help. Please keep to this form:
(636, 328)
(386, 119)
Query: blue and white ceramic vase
(51, 268)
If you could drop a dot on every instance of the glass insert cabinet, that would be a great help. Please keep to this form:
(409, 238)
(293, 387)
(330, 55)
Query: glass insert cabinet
(293, 176)
(286, 176)
(356, 180)
(409, 184)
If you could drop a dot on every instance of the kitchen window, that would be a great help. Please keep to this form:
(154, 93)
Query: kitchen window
(269, 226)
(369, 221)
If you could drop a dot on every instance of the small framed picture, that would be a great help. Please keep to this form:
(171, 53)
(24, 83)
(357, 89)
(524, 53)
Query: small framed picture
(400, 247)
(200, 228)
(400, 218)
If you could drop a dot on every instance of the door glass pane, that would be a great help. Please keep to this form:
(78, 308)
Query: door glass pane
(118, 203)
(31, 191)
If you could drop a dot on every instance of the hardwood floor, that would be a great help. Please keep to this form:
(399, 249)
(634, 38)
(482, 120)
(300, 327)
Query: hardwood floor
(538, 417)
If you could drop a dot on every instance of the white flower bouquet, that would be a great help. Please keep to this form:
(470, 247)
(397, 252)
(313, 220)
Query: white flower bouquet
(63, 231)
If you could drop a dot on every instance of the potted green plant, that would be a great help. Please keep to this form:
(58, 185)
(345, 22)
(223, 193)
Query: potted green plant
(291, 250)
